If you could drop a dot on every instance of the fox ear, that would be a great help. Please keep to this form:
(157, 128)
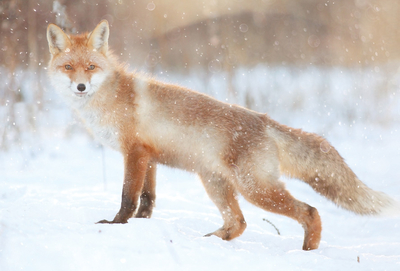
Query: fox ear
(98, 39)
(57, 39)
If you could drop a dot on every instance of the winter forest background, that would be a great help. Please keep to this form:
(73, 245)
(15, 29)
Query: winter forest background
(336, 59)
(330, 67)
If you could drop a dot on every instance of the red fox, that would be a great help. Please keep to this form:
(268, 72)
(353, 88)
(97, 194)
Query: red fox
(234, 150)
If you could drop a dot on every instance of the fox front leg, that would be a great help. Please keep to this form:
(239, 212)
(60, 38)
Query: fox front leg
(136, 164)
(148, 196)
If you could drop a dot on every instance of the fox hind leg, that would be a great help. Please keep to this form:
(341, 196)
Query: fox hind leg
(273, 197)
(223, 194)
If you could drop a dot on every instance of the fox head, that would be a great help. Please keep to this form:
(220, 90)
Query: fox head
(79, 64)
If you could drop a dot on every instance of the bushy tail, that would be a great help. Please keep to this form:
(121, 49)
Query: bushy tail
(311, 158)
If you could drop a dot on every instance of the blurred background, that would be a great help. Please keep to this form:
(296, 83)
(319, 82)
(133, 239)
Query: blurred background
(313, 64)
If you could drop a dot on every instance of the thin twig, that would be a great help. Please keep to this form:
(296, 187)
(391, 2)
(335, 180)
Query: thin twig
(266, 220)
(103, 156)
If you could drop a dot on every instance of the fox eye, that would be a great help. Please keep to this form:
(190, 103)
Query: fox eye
(91, 67)
(68, 67)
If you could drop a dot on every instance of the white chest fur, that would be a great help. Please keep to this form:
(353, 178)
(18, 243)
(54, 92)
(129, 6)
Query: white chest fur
(104, 127)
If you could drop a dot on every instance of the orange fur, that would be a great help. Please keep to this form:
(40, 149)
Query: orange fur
(234, 150)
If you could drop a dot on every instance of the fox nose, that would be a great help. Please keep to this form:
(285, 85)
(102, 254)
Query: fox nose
(81, 87)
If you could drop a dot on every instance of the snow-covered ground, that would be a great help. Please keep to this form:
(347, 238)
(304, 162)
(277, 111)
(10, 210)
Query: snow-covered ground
(53, 190)
(50, 199)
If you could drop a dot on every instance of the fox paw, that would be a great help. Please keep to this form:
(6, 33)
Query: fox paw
(104, 221)
(229, 233)
(144, 212)
(221, 233)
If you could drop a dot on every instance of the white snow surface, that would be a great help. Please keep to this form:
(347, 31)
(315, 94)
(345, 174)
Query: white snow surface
(53, 190)
(50, 200)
